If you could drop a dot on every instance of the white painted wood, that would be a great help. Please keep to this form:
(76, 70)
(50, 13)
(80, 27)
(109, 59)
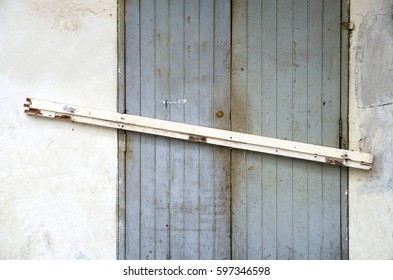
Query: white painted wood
(201, 134)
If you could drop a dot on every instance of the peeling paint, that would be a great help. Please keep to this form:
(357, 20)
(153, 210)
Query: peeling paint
(334, 161)
(374, 65)
(69, 109)
(196, 138)
(67, 16)
(31, 111)
(63, 117)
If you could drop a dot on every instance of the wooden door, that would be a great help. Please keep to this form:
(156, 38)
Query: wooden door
(272, 68)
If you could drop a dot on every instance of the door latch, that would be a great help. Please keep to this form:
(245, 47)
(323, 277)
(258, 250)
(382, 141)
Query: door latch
(166, 102)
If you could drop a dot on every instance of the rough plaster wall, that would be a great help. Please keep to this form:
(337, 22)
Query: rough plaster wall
(57, 179)
(371, 129)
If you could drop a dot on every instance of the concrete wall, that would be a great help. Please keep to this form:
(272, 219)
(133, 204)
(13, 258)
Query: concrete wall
(371, 129)
(57, 179)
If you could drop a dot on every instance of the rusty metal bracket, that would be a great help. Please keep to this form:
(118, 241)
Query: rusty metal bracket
(199, 134)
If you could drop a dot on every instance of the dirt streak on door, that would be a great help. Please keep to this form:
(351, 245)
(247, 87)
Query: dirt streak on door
(286, 75)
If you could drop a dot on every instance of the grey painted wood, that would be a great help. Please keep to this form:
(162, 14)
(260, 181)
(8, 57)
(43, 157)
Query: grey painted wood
(148, 147)
(269, 128)
(177, 196)
(133, 154)
(300, 104)
(314, 120)
(176, 153)
(222, 97)
(206, 94)
(162, 171)
(331, 246)
(284, 82)
(254, 113)
(284, 128)
(344, 125)
(290, 89)
(239, 121)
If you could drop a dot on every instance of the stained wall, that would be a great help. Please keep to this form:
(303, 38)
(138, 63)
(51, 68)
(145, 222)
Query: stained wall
(57, 180)
(371, 129)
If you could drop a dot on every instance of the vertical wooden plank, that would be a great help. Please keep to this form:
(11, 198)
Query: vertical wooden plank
(344, 73)
(177, 205)
(330, 130)
(206, 113)
(191, 153)
(133, 155)
(221, 163)
(285, 128)
(300, 129)
(269, 124)
(239, 120)
(344, 125)
(315, 127)
(162, 144)
(331, 73)
(254, 115)
(148, 167)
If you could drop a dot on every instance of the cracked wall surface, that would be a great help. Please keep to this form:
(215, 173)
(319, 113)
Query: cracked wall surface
(371, 129)
(57, 179)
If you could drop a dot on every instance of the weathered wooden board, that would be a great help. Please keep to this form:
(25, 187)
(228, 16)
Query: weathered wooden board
(200, 134)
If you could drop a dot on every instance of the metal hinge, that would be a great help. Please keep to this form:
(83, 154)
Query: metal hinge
(347, 25)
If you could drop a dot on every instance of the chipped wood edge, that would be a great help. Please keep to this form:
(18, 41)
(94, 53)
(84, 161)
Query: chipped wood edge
(194, 133)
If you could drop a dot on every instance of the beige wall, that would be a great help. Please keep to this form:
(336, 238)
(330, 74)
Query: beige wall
(57, 179)
(371, 129)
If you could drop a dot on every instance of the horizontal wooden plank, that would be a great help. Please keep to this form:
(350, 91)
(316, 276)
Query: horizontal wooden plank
(200, 134)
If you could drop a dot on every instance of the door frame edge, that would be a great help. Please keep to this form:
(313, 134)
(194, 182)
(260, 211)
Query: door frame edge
(121, 135)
